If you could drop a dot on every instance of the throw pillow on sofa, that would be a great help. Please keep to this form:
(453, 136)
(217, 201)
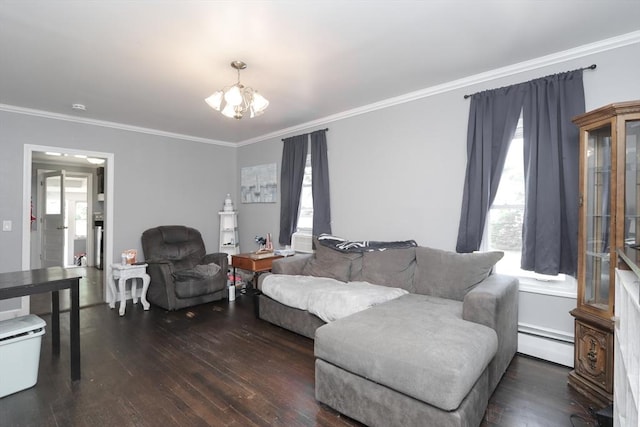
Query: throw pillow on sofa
(449, 274)
(392, 267)
(328, 262)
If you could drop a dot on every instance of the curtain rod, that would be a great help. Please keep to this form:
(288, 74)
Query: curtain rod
(325, 129)
(590, 67)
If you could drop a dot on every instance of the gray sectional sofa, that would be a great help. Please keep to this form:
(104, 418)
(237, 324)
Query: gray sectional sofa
(432, 357)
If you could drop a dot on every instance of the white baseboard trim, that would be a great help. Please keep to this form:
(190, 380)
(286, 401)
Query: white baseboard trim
(546, 348)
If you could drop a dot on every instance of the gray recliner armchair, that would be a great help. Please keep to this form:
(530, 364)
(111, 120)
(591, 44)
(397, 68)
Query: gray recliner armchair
(182, 274)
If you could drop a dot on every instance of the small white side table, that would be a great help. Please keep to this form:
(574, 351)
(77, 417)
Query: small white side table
(122, 273)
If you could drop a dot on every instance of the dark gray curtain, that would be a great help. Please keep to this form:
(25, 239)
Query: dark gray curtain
(294, 157)
(551, 152)
(320, 183)
(493, 118)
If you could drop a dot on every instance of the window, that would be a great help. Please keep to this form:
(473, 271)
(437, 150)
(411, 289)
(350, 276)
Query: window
(81, 219)
(305, 212)
(53, 196)
(505, 218)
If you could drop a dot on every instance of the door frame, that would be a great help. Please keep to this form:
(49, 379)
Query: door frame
(109, 168)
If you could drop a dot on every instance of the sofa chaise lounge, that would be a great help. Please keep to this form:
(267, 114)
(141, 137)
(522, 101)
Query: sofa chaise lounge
(431, 357)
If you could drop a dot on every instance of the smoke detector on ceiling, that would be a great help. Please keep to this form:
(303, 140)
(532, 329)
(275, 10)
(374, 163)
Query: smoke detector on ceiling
(80, 107)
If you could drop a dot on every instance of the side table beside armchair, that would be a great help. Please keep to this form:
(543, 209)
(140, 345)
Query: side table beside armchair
(123, 272)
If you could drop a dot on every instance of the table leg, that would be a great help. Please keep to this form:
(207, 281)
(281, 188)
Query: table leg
(74, 330)
(146, 279)
(242, 291)
(134, 286)
(55, 322)
(122, 285)
(112, 288)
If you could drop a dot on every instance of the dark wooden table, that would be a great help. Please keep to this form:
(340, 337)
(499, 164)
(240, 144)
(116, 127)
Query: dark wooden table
(254, 265)
(52, 279)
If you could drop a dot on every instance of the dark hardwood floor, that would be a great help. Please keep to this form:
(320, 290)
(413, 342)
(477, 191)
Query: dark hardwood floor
(216, 364)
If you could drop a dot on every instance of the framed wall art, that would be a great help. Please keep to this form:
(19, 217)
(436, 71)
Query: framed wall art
(259, 184)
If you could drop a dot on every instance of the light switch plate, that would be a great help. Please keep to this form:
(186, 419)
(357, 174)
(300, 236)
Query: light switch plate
(6, 225)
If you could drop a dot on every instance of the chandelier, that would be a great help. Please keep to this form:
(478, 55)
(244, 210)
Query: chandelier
(234, 101)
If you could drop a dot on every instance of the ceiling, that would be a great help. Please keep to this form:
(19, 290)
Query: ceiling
(151, 64)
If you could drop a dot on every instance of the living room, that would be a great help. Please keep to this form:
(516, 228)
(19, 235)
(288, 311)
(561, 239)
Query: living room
(396, 164)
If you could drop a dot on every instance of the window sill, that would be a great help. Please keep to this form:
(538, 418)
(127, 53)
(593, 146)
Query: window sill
(563, 289)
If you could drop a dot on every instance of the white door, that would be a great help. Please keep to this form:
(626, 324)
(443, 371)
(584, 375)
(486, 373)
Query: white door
(53, 221)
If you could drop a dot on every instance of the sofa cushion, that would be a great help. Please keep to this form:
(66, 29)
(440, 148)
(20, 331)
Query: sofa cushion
(327, 298)
(391, 267)
(349, 298)
(328, 262)
(197, 281)
(451, 275)
(416, 344)
(294, 291)
(199, 272)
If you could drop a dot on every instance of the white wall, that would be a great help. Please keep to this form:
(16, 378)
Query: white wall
(257, 219)
(158, 180)
(397, 173)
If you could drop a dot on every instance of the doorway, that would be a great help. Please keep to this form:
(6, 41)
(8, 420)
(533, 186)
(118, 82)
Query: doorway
(64, 204)
(79, 214)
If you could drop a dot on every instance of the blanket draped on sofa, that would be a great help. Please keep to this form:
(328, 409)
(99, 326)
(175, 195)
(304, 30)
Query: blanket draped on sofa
(343, 245)
(329, 299)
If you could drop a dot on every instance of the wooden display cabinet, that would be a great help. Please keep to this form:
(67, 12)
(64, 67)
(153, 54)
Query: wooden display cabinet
(609, 201)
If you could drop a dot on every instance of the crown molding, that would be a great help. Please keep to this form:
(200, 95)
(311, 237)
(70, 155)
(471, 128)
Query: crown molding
(543, 61)
(112, 125)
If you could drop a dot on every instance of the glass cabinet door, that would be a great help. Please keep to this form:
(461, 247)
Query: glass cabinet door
(632, 190)
(597, 227)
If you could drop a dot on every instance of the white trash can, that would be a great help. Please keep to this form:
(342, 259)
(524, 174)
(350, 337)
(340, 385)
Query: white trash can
(20, 340)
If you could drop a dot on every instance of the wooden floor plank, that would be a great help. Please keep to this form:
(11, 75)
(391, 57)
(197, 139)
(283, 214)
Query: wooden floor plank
(217, 365)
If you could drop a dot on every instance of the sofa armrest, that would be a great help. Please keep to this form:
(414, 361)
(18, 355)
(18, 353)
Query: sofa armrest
(222, 259)
(494, 303)
(261, 278)
(161, 288)
(291, 265)
(164, 267)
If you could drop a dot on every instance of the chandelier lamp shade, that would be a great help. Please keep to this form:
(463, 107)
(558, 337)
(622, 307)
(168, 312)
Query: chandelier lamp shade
(236, 100)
